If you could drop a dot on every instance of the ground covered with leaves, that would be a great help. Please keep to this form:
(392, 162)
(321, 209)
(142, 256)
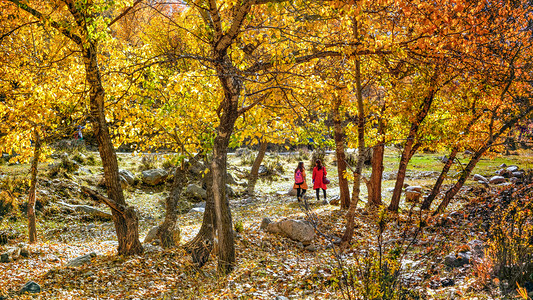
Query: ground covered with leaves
(412, 255)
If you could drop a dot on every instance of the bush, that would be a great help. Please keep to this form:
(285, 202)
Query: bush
(8, 204)
(511, 236)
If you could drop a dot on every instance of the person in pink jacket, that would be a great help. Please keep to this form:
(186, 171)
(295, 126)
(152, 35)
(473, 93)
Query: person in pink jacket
(319, 173)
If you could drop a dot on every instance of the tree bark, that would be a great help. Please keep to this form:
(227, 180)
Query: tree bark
(407, 151)
(341, 156)
(348, 233)
(32, 228)
(374, 184)
(254, 173)
(435, 191)
(166, 230)
(201, 245)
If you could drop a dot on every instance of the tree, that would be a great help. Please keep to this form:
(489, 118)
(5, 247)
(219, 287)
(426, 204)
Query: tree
(85, 31)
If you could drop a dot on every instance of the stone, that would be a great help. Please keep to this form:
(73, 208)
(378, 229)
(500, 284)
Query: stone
(291, 192)
(127, 175)
(242, 151)
(154, 176)
(412, 196)
(504, 173)
(88, 209)
(230, 179)
(24, 252)
(151, 235)
(477, 247)
(311, 248)
(294, 229)
(81, 260)
(4, 258)
(263, 171)
(447, 282)
(335, 200)
(31, 287)
(496, 179)
(459, 260)
(518, 174)
(502, 166)
(413, 188)
(264, 223)
(196, 192)
(281, 298)
(478, 177)
(512, 169)
(282, 193)
(197, 210)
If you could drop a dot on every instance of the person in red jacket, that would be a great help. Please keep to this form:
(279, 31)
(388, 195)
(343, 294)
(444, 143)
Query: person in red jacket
(319, 173)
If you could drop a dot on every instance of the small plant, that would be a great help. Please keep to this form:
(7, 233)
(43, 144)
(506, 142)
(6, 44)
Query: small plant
(238, 226)
(148, 162)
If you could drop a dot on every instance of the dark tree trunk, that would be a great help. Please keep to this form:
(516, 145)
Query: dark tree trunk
(254, 173)
(32, 228)
(374, 184)
(202, 244)
(125, 224)
(436, 188)
(408, 149)
(341, 156)
(166, 230)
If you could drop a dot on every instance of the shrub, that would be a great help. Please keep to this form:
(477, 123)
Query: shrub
(8, 203)
(511, 237)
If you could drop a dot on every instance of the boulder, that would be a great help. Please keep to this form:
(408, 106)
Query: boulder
(478, 177)
(413, 188)
(154, 176)
(264, 223)
(292, 191)
(151, 235)
(504, 173)
(197, 210)
(454, 261)
(496, 179)
(512, 169)
(412, 196)
(518, 174)
(294, 229)
(230, 179)
(31, 287)
(88, 209)
(81, 260)
(195, 191)
(127, 175)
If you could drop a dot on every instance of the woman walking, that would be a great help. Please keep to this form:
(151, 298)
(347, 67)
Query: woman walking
(319, 173)
(300, 183)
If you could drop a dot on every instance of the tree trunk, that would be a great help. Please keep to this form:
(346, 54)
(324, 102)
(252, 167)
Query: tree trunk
(434, 192)
(374, 184)
(408, 149)
(32, 228)
(341, 156)
(202, 244)
(348, 233)
(166, 230)
(254, 173)
(126, 225)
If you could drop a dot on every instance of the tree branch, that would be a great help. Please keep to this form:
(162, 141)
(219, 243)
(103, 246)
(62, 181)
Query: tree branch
(125, 12)
(100, 198)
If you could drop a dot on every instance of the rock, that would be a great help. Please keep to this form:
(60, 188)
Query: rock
(311, 248)
(24, 252)
(263, 171)
(512, 169)
(196, 192)
(447, 282)
(413, 188)
(197, 210)
(468, 152)
(282, 193)
(242, 151)
(477, 247)
(502, 166)
(291, 192)
(264, 223)
(518, 174)
(294, 229)
(154, 176)
(412, 196)
(128, 176)
(88, 209)
(229, 191)
(504, 173)
(281, 298)
(81, 260)
(478, 177)
(496, 180)
(31, 287)
(459, 260)
(151, 235)
(335, 200)
(4, 258)
(230, 179)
